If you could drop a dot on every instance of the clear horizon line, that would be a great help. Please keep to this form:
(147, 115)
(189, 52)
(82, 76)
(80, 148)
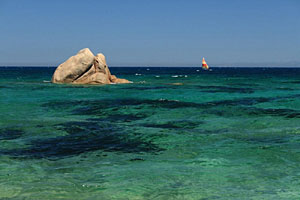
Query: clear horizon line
(45, 66)
(234, 64)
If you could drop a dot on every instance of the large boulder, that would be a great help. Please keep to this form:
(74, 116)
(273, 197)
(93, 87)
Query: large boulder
(85, 68)
(74, 67)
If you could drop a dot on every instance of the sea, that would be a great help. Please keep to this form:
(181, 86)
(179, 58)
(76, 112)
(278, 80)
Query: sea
(174, 133)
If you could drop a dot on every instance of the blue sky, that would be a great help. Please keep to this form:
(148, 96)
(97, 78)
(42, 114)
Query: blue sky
(152, 32)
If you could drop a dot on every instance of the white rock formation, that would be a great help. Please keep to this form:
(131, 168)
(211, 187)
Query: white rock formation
(85, 68)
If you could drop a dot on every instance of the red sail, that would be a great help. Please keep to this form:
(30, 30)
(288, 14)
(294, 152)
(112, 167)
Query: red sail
(204, 65)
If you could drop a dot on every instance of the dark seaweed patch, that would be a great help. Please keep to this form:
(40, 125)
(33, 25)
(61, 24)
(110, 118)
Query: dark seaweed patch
(291, 82)
(73, 128)
(91, 107)
(295, 82)
(285, 88)
(126, 117)
(111, 107)
(60, 105)
(104, 107)
(241, 101)
(174, 125)
(243, 84)
(3, 87)
(226, 89)
(253, 111)
(10, 133)
(209, 132)
(136, 159)
(120, 117)
(288, 113)
(167, 125)
(267, 140)
(84, 137)
(248, 101)
(163, 103)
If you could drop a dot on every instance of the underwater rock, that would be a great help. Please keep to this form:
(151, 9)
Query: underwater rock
(85, 68)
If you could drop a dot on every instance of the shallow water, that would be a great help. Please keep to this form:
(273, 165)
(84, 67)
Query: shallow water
(175, 133)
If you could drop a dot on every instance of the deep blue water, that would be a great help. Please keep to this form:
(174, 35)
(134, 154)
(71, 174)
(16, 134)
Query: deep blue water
(174, 133)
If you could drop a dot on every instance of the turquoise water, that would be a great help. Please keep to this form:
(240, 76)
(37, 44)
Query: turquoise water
(175, 133)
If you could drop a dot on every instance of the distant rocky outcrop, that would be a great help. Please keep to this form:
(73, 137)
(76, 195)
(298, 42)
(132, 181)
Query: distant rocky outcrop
(85, 68)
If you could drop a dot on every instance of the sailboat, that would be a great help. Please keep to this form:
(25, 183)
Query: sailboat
(204, 65)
